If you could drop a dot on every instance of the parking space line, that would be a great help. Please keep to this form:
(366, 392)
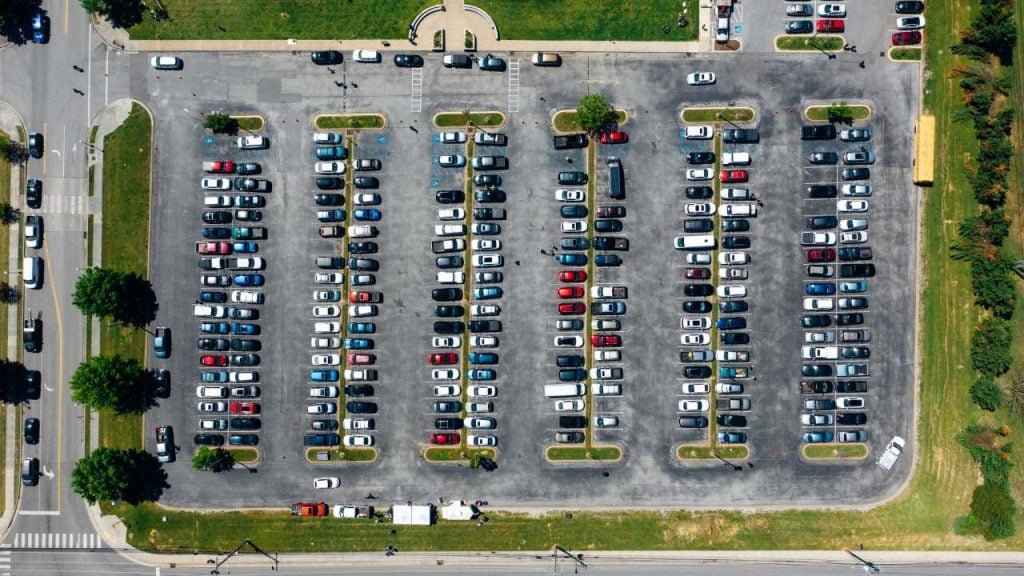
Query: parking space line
(513, 85)
(416, 90)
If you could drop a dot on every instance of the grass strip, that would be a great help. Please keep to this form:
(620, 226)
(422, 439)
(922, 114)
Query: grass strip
(457, 119)
(126, 191)
(565, 120)
(737, 452)
(821, 43)
(651, 20)
(820, 113)
(456, 454)
(829, 451)
(905, 53)
(249, 123)
(712, 115)
(583, 453)
(349, 121)
(244, 455)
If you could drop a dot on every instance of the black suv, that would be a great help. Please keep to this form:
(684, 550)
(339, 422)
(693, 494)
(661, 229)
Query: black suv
(740, 136)
(34, 193)
(449, 327)
(448, 423)
(698, 192)
(245, 423)
(819, 132)
(359, 407)
(446, 294)
(856, 270)
(449, 196)
(822, 191)
(700, 158)
(478, 326)
(326, 57)
(572, 421)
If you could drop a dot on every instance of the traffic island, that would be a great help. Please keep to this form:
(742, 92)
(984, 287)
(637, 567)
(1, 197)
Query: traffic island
(692, 452)
(835, 451)
(727, 114)
(244, 455)
(905, 54)
(807, 43)
(458, 455)
(854, 112)
(336, 455)
(486, 119)
(251, 123)
(564, 121)
(350, 121)
(572, 454)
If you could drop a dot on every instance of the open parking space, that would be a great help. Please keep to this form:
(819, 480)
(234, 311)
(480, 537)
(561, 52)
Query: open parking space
(654, 164)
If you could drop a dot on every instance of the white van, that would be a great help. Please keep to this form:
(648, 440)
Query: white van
(564, 390)
(696, 242)
(31, 271)
(736, 159)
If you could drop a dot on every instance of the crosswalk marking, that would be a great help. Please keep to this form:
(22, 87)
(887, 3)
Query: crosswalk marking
(416, 91)
(63, 204)
(513, 85)
(5, 560)
(84, 540)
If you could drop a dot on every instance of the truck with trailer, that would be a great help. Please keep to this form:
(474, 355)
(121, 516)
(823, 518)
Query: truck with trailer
(165, 444)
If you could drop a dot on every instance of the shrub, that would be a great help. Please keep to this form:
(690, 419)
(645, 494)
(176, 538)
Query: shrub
(993, 285)
(986, 394)
(840, 113)
(990, 346)
(220, 124)
(993, 506)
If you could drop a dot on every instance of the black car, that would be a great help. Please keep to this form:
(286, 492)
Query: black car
(245, 423)
(32, 335)
(408, 60)
(735, 242)
(856, 270)
(697, 372)
(449, 311)
(732, 420)
(852, 387)
(359, 390)
(450, 196)
(696, 306)
(822, 191)
(478, 326)
(489, 213)
(327, 424)
(855, 253)
(162, 384)
(815, 321)
(31, 431)
(216, 233)
(853, 319)
(855, 174)
(572, 421)
(34, 193)
(578, 243)
(446, 294)
(448, 423)
(851, 418)
(609, 225)
(208, 439)
(731, 323)
(734, 338)
(611, 211)
(489, 196)
(697, 290)
(732, 306)
(244, 359)
(799, 27)
(607, 260)
(700, 158)
(574, 178)
(360, 407)
(218, 217)
(740, 135)
(243, 440)
(816, 370)
(329, 200)
(329, 183)
(491, 63)
(208, 297)
(449, 327)
(572, 374)
(569, 361)
(698, 225)
(737, 225)
(573, 211)
(30, 471)
(212, 344)
(366, 182)
(693, 422)
(818, 132)
(823, 158)
(321, 440)
(822, 222)
(245, 345)
(487, 179)
(248, 168)
(450, 262)
(364, 264)
(326, 57)
(362, 247)
(699, 192)
(909, 7)
(30, 382)
(35, 145)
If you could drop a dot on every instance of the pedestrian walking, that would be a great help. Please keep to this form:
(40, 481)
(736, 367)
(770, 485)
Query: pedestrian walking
(861, 64)
(413, 128)
(331, 70)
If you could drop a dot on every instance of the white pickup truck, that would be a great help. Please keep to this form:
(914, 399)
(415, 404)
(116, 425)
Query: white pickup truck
(892, 453)
(819, 352)
(735, 159)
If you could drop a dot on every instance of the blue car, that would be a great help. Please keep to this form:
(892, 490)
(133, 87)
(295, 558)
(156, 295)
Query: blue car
(362, 327)
(481, 374)
(487, 293)
(245, 329)
(214, 377)
(731, 323)
(357, 344)
(483, 358)
(366, 214)
(851, 286)
(40, 28)
(572, 259)
(213, 297)
(324, 375)
(575, 243)
(821, 288)
(336, 215)
(249, 280)
(245, 247)
(607, 260)
(331, 153)
(214, 328)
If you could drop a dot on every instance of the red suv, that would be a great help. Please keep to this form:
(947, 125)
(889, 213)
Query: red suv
(572, 276)
(698, 273)
(734, 176)
(821, 255)
(614, 137)
(446, 439)
(905, 38)
(571, 308)
(443, 358)
(829, 26)
(570, 292)
(604, 340)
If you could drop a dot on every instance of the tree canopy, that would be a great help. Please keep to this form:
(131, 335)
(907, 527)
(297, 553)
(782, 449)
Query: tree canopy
(109, 382)
(104, 474)
(594, 113)
(220, 124)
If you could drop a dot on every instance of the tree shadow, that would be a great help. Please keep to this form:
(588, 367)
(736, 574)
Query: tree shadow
(225, 461)
(9, 294)
(139, 306)
(126, 13)
(149, 480)
(16, 153)
(9, 214)
(17, 20)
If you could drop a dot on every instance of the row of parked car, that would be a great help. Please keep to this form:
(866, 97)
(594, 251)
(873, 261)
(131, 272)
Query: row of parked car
(832, 20)
(735, 210)
(32, 269)
(228, 391)
(333, 375)
(835, 341)
(464, 399)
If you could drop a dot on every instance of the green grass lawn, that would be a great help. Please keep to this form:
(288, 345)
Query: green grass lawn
(281, 19)
(820, 113)
(580, 453)
(711, 115)
(905, 53)
(835, 450)
(250, 123)
(126, 183)
(832, 43)
(706, 452)
(592, 19)
(244, 455)
(456, 119)
(565, 121)
(340, 121)
(454, 454)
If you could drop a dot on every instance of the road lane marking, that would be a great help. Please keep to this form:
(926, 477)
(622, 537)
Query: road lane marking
(60, 367)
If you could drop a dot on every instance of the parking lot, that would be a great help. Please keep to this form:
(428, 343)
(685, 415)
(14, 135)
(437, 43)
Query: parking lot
(292, 90)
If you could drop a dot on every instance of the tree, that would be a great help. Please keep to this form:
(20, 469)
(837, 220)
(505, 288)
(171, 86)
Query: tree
(986, 393)
(120, 13)
(594, 113)
(990, 346)
(104, 474)
(109, 382)
(220, 124)
(840, 113)
(212, 459)
(99, 292)
(993, 506)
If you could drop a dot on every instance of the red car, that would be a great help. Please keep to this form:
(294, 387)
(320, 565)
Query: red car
(357, 358)
(734, 176)
(821, 255)
(571, 308)
(360, 297)
(213, 360)
(572, 276)
(219, 167)
(248, 408)
(605, 340)
(443, 358)
(829, 25)
(570, 292)
(698, 273)
(905, 38)
(213, 248)
(451, 438)
(614, 137)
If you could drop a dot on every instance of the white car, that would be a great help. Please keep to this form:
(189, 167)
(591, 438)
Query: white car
(249, 264)
(856, 190)
(216, 184)
(362, 310)
(212, 406)
(326, 359)
(607, 355)
(606, 373)
(733, 258)
(851, 224)
(218, 201)
(736, 194)
(246, 297)
(166, 63)
(447, 390)
(329, 167)
(819, 352)
(357, 440)
(213, 424)
(329, 278)
(326, 295)
(818, 304)
(695, 322)
(699, 339)
(484, 310)
(852, 205)
(574, 226)
(606, 421)
(479, 407)
(693, 405)
(479, 423)
(322, 408)
(700, 78)
(575, 405)
(698, 258)
(446, 341)
(483, 391)
(366, 56)
(451, 277)
(569, 195)
(732, 291)
(696, 388)
(699, 209)
(853, 237)
(484, 440)
(360, 374)
(452, 160)
(326, 311)
(832, 10)
(483, 341)
(732, 356)
(910, 23)
(568, 341)
(325, 342)
(211, 391)
(846, 402)
(253, 142)
(366, 199)
(327, 138)
(453, 137)
(698, 174)
(728, 388)
(699, 132)
(816, 419)
(451, 214)
(487, 260)
(326, 482)
(485, 244)
(445, 374)
(357, 423)
(238, 377)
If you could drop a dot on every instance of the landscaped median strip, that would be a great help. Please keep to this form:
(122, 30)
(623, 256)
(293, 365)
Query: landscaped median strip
(819, 112)
(350, 121)
(564, 121)
(699, 114)
(249, 123)
(809, 43)
(835, 451)
(488, 119)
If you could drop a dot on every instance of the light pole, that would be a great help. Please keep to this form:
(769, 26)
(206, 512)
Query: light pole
(93, 146)
(721, 117)
(811, 41)
(735, 467)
